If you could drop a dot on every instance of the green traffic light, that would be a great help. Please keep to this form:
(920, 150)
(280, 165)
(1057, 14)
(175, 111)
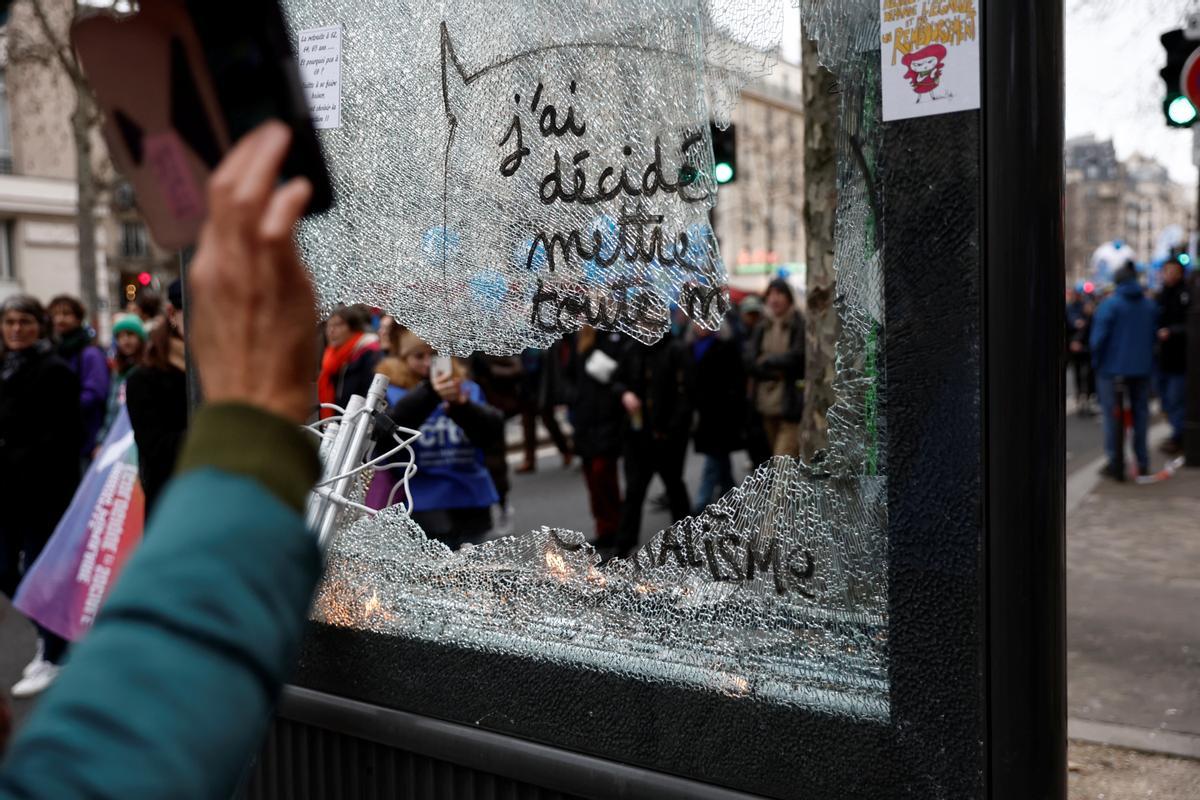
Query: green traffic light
(723, 172)
(1181, 111)
(1184, 259)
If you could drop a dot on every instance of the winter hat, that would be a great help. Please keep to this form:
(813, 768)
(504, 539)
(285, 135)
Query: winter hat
(751, 304)
(129, 323)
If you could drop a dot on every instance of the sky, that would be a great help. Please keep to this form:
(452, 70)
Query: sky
(1113, 88)
(1112, 59)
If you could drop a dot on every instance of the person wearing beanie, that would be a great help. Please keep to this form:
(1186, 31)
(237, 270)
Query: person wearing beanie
(452, 493)
(1122, 342)
(129, 344)
(776, 362)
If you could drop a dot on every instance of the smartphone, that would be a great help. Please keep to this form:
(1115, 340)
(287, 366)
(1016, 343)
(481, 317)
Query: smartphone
(178, 83)
(441, 367)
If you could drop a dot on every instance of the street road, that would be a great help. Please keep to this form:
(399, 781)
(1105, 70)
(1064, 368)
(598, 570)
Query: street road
(551, 496)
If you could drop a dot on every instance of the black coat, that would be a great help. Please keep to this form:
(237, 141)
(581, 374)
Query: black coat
(720, 398)
(41, 433)
(356, 376)
(596, 412)
(1172, 315)
(158, 411)
(660, 375)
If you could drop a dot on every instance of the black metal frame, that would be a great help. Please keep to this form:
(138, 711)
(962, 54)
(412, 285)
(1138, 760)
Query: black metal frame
(1025, 406)
(973, 276)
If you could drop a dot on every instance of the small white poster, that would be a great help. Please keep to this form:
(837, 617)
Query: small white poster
(930, 57)
(320, 54)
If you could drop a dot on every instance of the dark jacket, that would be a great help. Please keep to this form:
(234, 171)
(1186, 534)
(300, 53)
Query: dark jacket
(1172, 315)
(171, 692)
(787, 367)
(1123, 333)
(500, 379)
(40, 438)
(720, 395)
(158, 411)
(482, 424)
(596, 412)
(660, 375)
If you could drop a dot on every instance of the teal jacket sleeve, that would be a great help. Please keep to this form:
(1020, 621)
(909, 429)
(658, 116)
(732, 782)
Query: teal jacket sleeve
(171, 692)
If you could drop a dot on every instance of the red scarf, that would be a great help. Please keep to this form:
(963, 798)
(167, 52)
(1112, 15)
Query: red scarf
(333, 362)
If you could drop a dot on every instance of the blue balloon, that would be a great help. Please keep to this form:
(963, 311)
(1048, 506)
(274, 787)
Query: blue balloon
(438, 242)
(489, 288)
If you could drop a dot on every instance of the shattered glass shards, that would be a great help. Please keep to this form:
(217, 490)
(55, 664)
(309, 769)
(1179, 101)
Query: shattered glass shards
(507, 172)
(739, 599)
(779, 590)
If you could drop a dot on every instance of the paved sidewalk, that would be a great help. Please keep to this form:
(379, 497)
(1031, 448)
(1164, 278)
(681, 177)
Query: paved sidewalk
(1133, 612)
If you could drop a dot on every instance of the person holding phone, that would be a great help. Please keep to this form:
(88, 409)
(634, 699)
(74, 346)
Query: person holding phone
(452, 492)
(172, 692)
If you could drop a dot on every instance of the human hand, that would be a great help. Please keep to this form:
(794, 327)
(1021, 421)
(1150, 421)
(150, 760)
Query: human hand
(1164, 334)
(253, 311)
(632, 402)
(449, 388)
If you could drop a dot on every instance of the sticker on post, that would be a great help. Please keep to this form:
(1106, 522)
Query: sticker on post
(320, 56)
(930, 57)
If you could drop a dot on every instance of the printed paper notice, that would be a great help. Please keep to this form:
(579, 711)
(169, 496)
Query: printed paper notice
(930, 57)
(320, 53)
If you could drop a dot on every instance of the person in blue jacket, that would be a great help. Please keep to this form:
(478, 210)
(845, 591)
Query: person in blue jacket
(1122, 342)
(452, 492)
(172, 691)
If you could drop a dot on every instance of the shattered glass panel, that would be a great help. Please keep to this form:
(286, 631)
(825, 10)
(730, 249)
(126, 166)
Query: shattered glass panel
(509, 172)
(779, 590)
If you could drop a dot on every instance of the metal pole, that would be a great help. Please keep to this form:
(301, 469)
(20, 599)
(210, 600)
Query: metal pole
(1191, 424)
(1024, 457)
(361, 443)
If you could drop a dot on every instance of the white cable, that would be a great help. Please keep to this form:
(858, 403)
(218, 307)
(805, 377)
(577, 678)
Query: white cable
(405, 445)
(379, 460)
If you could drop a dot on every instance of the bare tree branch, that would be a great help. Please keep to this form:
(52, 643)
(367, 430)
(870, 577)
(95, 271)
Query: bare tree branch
(62, 51)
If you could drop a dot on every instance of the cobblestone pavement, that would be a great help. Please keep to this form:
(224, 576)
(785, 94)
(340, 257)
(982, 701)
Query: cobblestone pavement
(1133, 591)
(1109, 773)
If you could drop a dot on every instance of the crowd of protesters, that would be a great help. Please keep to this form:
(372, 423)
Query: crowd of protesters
(1124, 346)
(629, 408)
(60, 393)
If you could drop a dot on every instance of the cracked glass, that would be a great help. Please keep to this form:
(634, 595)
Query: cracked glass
(455, 214)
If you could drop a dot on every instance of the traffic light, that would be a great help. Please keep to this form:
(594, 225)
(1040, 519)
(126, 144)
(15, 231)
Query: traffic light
(1177, 108)
(724, 154)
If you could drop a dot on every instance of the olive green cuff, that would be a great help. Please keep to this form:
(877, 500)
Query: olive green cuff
(246, 440)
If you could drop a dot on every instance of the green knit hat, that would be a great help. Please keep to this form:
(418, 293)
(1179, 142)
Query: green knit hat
(132, 324)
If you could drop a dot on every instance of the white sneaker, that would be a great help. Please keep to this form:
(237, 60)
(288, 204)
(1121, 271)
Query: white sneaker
(38, 658)
(37, 681)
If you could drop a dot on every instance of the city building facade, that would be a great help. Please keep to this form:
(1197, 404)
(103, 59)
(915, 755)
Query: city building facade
(39, 244)
(1133, 201)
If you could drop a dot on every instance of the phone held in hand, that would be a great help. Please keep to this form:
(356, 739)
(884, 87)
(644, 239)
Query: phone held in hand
(441, 367)
(179, 82)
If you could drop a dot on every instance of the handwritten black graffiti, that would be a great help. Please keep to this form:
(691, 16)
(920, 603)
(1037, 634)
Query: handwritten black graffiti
(731, 557)
(571, 186)
(652, 176)
(640, 239)
(564, 309)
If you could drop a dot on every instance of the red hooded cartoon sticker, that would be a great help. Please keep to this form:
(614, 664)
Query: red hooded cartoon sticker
(925, 70)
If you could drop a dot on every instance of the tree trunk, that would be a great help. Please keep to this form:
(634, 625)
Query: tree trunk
(820, 206)
(85, 216)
